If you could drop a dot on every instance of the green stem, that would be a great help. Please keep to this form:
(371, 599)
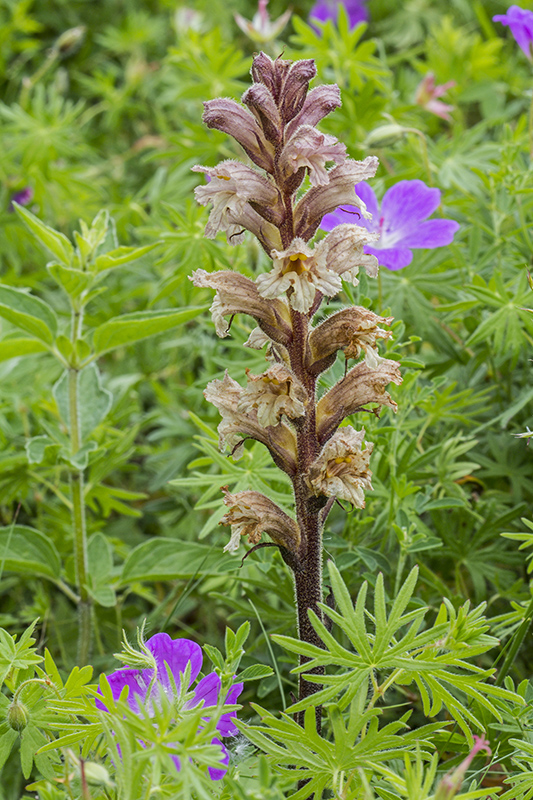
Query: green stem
(78, 514)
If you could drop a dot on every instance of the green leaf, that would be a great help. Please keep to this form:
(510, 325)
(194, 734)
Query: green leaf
(17, 655)
(14, 348)
(29, 552)
(30, 313)
(37, 446)
(73, 281)
(131, 328)
(100, 559)
(52, 240)
(94, 401)
(255, 672)
(7, 740)
(120, 256)
(165, 559)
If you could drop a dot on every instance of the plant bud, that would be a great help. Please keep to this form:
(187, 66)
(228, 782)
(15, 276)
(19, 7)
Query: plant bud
(385, 135)
(18, 716)
(96, 774)
(70, 41)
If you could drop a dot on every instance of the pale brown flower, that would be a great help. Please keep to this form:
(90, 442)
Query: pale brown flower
(237, 425)
(311, 149)
(237, 294)
(252, 514)
(361, 385)
(341, 470)
(275, 393)
(352, 330)
(340, 190)
(230, 117)
(303, 271)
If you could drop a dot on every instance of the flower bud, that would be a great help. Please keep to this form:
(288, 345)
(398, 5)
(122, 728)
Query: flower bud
(97, 775)
(70, 41)
(385, 135)
(18, 716)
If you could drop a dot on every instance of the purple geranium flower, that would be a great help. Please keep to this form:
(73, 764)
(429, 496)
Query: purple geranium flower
(329, 9)
(176, 654)
(23, 197)
(401, 222)
(520, 22)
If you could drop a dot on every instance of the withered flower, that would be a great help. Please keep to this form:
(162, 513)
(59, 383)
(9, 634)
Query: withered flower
(252, 514)
(312, 149)
(302, 270)
(341, 470)
(361, 385)
(241, 198)
(237, 294)
(345, 252)
(274, 393)
(237, 425)
(339, 190)
(352, 330)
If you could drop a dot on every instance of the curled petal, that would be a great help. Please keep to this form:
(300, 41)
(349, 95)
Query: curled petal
(302, 271)
(361, 385)
(251, 514)
(312, 149)
(345, 253)
(236, 294)
(229, 117)
(341, 470)
(274, 393)
(320, 102)
(241, 198)
(321, 200)
(235, 425)
(352, 330)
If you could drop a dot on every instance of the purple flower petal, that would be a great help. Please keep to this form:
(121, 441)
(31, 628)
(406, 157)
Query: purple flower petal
(216, 773)
(207, 690)
(393, 258)
(520, 21)
(366, 193)
(407, 203)
(349, 214)
(432, 233)
(329, 9)
(127, 677)
(225, 725)
(177, 653)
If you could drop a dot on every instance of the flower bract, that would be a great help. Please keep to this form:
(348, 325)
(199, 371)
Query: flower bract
(401, 222)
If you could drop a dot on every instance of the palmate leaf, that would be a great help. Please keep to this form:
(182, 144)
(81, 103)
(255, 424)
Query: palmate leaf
(357, 744)
(398, 650)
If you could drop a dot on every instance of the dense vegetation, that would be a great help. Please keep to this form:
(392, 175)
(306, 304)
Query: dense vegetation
(100, 124)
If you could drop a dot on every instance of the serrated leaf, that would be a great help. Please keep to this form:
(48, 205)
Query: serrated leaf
(130, 328)
(30, 313)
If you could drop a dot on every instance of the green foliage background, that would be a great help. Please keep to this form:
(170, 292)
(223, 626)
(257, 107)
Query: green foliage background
(115, 121)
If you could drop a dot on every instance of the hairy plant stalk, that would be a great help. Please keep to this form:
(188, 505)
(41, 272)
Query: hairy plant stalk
(276, 128)
(79, 527)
